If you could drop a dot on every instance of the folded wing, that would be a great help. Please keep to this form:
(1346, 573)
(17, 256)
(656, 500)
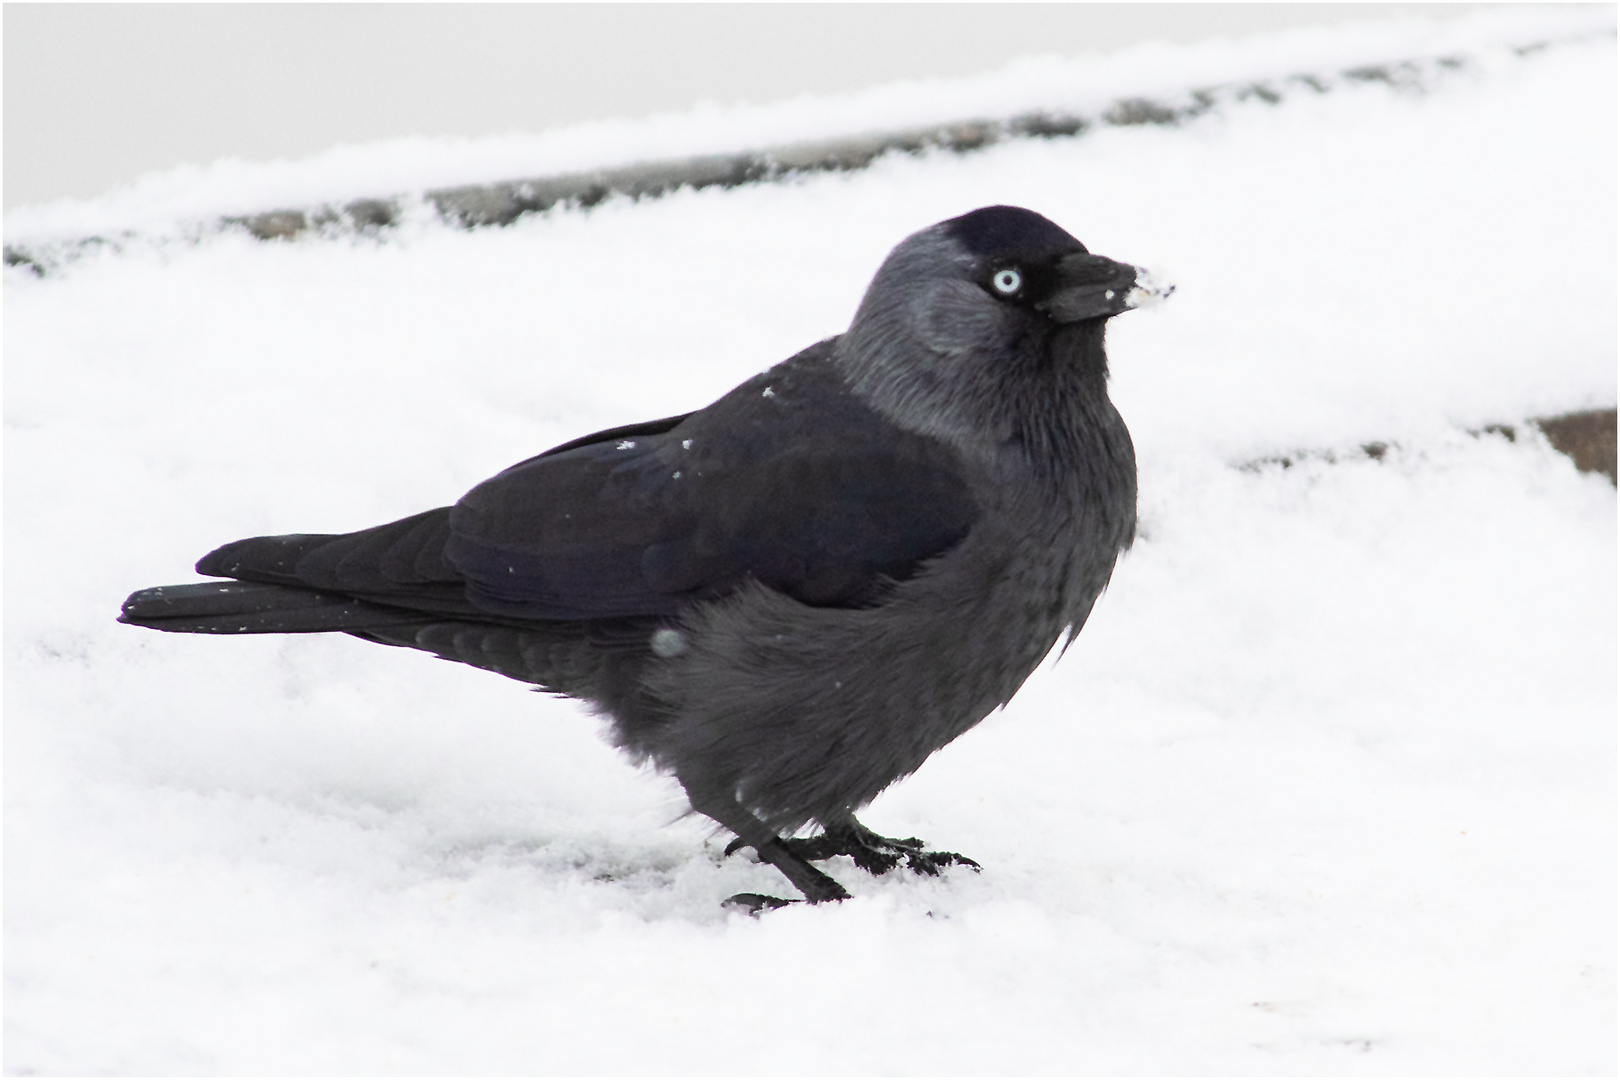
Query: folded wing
(788, 480)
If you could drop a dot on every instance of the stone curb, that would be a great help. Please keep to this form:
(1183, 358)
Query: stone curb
(501, 203)
(1586, 437)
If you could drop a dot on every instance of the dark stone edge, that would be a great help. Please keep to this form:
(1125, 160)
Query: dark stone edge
(1587, 437)
(483, 205)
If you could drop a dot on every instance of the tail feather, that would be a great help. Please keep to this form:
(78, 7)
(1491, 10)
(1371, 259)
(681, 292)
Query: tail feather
(234, 607)
(402, 558)
(272, 560)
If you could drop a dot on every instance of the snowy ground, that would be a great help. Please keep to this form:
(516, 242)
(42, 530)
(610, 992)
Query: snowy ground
(1327, 784)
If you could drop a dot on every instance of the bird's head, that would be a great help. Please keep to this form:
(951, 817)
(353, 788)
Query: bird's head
(970, 319)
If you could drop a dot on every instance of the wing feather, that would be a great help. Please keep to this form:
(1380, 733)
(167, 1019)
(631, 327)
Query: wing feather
(789, 480)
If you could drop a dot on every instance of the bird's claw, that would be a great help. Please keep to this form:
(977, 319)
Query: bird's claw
(873, 853)
(752, 903)
(930, 863)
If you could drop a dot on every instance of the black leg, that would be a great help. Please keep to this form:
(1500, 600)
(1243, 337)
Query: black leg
(751, 832)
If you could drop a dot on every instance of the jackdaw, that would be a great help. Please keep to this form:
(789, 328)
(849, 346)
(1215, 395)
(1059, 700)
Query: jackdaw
(791, 598)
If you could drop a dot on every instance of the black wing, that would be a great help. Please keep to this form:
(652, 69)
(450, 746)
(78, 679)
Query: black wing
(788, 480)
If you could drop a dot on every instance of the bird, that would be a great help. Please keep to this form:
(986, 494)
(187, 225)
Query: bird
(787, 600)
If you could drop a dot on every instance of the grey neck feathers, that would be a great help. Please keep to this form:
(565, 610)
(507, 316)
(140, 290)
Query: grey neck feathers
(938, 356)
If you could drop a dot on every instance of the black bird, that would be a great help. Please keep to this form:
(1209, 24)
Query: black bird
(793, 597)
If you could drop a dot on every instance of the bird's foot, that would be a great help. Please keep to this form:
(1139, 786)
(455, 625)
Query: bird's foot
(752, 903)
(879, 854)
(817, 887)
(873, 853)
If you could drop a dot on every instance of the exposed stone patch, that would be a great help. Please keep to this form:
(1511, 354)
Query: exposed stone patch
(1587, 437)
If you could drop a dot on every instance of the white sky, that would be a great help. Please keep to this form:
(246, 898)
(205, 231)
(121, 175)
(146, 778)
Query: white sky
(98, 94)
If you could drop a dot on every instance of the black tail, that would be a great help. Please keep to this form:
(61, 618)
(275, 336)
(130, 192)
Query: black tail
(566, 658)
(237, 607)
(393, 575)
(408, 595)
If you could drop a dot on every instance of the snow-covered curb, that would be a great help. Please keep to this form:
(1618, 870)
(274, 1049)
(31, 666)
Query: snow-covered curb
(502, 202)
(1586, 437)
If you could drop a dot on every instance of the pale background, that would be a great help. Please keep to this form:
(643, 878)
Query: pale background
(98, 94)
(1326, 787)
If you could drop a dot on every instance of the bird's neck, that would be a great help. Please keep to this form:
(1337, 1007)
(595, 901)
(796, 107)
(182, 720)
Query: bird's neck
(1055, 407)
(1041, 405)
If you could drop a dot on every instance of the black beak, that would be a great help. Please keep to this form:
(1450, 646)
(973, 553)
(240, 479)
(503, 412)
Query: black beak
(1093, 287)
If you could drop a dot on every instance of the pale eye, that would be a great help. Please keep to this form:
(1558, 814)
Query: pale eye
(1007, 281)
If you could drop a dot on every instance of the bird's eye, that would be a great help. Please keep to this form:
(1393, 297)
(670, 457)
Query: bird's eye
(1007, 281)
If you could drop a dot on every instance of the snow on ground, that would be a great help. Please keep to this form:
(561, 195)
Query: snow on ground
(1327, 784)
